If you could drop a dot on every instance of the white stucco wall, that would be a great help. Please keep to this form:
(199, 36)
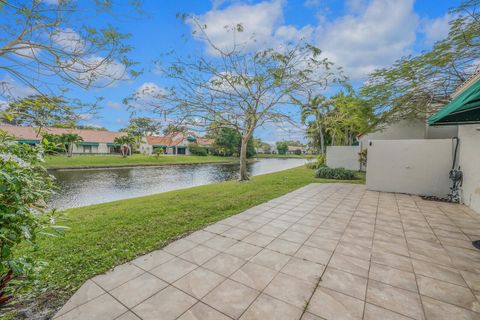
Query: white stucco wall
(469, 157)
(343, 157)
(404, 129)
(441, 132)
(410, 166)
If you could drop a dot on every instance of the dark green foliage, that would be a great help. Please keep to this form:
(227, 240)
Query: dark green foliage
(198, 150)
(228, 143)
(282, 147)
(317, 164)
(24, 188)
(335, 173)
(298, 152)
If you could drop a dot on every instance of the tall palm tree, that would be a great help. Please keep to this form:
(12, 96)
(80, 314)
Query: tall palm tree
(126, 144)
(316, 107)
(69, 139)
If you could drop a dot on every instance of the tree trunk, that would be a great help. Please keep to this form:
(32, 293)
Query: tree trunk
(243, 160)
(322, 142)
(70, 149)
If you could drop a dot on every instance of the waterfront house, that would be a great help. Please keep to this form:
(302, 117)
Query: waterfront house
(94, 141)
(173, 143)
(296, 150)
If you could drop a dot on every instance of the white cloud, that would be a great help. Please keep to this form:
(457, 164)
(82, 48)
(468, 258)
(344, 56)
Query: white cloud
(11, 89)
(371, 38)
(114, 105)
(98, 71)
(69, 40)
(259, 21)
(148, 90)
(436, 29)
(311, 3)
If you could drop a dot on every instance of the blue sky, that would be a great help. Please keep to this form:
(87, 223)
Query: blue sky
(359, 35)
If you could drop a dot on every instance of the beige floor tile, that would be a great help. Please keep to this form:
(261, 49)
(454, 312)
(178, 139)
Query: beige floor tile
(373, 312)
(344, 282)
(353, 250)
(128, 316)
(290, 289)
(438, 272)
(152, 260)
(168, 304)
(254, 276)
(199, 282)
(200, 236)
(88, 291)
(236, 233)
(321, 243)
(231, 298)
(447, 292)
(217, 228)
(136, 290)
(270, 230)
(284, 246)
(473, 282)
(304, 269)
(173, 270)
(294, 236)
(224, 264)
(220, 243)
(104, 307)
(271, 259)
(314, 254)
(180, 246)
(437, 310)
(310, 316)
(393, 260)
(394, 277)
(258, 239)
(199, 254)
(349, 264)
(395, 299)
(268, 308)
(332, 305)
(201, 311)
(243, 250)
(118, 276)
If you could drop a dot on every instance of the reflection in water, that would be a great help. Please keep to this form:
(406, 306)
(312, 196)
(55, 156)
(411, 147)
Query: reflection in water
(83, 187)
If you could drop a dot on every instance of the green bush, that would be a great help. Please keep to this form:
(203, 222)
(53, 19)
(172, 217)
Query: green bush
(25, 186)
(320, 162)
(337, 173)
(198, 150)
(298, 152)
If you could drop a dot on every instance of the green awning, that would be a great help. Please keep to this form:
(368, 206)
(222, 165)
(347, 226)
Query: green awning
(29, 141)
(159, 146)
(109, 144)
(463, 109)
(93, 144)
(181, 147)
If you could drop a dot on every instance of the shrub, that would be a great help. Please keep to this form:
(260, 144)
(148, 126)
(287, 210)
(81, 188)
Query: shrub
(298, 152)
(198, 150)
(320, 162)
(337, 173)
(25, 187)
(362, 157)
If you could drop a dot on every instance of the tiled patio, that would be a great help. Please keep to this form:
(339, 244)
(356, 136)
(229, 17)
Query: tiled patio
(325, 251)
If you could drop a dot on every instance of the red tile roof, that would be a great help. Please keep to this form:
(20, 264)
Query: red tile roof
(293, 148)
(30, 133)
(176, 138)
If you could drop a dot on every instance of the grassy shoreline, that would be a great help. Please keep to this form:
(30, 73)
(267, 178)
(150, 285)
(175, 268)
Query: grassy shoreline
(86, 162)
(105, 235)
(287, 156)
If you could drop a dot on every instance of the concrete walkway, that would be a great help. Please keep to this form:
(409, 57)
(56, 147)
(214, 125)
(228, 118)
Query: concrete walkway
(378, 255)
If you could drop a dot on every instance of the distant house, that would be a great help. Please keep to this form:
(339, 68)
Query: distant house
(94, 141)
(174, 143)
(295, 149)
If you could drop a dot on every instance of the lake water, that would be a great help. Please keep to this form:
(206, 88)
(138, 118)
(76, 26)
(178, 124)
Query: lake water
(84, 187)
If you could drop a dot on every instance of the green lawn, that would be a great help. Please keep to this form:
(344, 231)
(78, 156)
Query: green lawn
(104, 235)
(134, 160)
(287, 156)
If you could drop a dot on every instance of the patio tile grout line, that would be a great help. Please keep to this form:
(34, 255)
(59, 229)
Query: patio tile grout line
(446, 251)
(328, 262)
(371, 254)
